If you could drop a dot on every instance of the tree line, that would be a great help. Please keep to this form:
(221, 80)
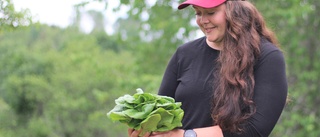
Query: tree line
(61, 82)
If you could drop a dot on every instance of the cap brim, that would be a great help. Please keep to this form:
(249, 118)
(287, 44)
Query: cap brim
(201, 3)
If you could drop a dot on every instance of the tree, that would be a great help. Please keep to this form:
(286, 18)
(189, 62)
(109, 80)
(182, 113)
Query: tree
(57, 82)
(9, 18)
(61, 82)
(154, 31)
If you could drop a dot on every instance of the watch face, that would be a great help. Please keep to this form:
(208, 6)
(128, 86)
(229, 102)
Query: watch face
(190, 133)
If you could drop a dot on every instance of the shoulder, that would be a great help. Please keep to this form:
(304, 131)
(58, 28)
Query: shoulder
(190, 50)
(267, 47)
(269, 53)
(193, 45)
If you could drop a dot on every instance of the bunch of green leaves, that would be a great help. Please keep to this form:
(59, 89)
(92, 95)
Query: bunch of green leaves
(147, 112)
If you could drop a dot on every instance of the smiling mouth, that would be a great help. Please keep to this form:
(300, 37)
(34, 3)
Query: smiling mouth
(209, 29)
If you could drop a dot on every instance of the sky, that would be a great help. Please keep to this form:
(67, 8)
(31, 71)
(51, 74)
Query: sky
(61, 12)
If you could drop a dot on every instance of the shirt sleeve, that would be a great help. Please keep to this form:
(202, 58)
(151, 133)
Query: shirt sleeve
(169, 81)
(270, 93)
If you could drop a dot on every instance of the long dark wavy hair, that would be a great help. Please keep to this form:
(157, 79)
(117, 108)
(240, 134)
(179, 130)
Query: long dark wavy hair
(234, 85)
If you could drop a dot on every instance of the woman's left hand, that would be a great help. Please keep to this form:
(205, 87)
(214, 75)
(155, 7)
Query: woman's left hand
(172, 133)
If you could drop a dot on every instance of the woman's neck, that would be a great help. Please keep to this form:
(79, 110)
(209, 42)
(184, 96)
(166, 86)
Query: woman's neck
(215, 45)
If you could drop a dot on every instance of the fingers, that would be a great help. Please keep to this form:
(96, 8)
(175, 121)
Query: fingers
(130, 130)
(147, 134)
(135, 133)
(158, 134)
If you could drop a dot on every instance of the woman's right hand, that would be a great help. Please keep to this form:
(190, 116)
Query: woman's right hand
(135, 133)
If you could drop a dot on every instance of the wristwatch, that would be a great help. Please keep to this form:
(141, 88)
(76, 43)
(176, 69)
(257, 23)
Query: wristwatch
(189, 133)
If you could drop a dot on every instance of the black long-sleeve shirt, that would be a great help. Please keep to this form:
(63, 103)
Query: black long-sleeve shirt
(189, 75)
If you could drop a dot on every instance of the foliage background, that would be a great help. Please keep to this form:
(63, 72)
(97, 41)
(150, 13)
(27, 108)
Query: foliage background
(61, 82)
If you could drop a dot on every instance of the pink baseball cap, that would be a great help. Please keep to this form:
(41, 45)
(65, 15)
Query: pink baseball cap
(201, 3)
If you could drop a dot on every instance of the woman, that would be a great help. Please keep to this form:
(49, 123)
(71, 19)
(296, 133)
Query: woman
(231, 82)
